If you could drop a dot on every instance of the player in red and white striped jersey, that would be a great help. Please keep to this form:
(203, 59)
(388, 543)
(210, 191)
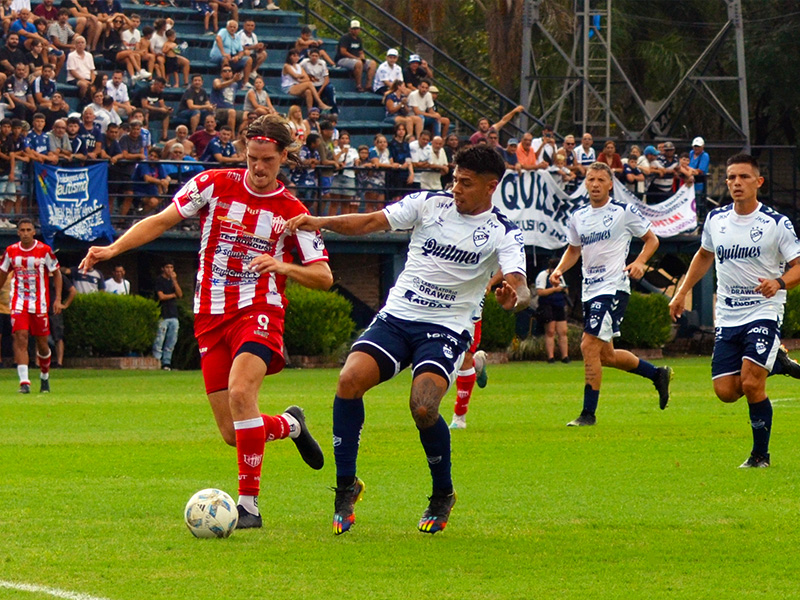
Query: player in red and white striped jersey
(32, 263)
(245, 259)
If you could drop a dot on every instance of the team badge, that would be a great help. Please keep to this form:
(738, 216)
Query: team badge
(607, 220)
(761, 347)
(318, 243)
(520, 238)
(253, 460)
(756, 233)
(593, 322)
(448, 352)
(480, 236)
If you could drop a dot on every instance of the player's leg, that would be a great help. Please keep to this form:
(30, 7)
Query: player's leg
(591, 350)
(465, 383)
(361, 372)
(43, 354)
(19, 326)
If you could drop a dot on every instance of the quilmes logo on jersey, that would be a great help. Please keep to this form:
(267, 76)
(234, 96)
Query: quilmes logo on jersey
(449, 252)
(756, 233)
(736, 251)
(595, 236)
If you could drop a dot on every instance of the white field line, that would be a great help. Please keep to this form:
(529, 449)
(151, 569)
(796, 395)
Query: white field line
(41, 589)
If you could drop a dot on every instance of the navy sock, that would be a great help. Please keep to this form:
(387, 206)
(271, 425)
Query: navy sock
(645, 369)
(590, 399)
(761, 422)
(436, 442)
(348, 419)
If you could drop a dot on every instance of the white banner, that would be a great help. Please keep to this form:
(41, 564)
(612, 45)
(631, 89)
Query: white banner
(540, 208)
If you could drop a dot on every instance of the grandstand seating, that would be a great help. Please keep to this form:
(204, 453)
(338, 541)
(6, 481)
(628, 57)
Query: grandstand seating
(360, 113)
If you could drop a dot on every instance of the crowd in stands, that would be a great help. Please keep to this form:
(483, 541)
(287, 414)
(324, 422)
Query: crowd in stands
(121, 114)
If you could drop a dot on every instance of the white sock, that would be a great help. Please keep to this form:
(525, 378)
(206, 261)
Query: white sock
(22, 371)
(294, 426)
(467, 372)
(44, 376)
(250, 504)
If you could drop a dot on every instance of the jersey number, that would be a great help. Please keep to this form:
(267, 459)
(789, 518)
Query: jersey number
(263, 322)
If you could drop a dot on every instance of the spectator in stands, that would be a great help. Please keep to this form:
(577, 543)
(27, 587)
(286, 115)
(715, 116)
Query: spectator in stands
(26, 29)
(661, 187)
(116, 51)
(230, 6)
(210, 12)
(227, 50)
(526, 155)
(561, 174)
(80, 67)
(257, 101)
(303, 175)
(699, 161)
(296, 123)
(93, 28)
(584, 155)
(76, 143)
(350, 55)
(38, 144)
(195, 103)
(374, 180)
(632, 175)
(422, 103)
(46, 53)
(492, 140)
(182, 138)
(167, 293)
(317, 72)
(326, 157)
(311, 124)
(174, 62)
(545, 147)
(107, 110)
(36, 59)
(151, 100)
(397, 182)
(220, 149)
(133, 151)
(21, 156)
(59, 140)
(202, 137)
(420, 156)
(60, 32)
(87, 281)
(344, 182)
(91, 133)
(388, 72)
(8, 197)
(132, 39)
(118, 91)
(484, 127)
(415, 72)
(249, 40)
(47, 11)
(610, 157)
(10, 56)
(223, 96)
(17, 92)
(432, 180)
(44, 86)
(157, 41)
(296, 82)
(112, 152)
(56, 110)
(149, 182)
(509, 155)
(179, 173)
(306, 42)
(684, 174)
(117, 284)
(398, 111)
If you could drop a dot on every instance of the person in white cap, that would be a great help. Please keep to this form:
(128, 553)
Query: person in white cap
(350, 55)
(699, 161)
(388, 72)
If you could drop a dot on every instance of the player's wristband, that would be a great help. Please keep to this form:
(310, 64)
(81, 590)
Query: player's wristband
(781, 283)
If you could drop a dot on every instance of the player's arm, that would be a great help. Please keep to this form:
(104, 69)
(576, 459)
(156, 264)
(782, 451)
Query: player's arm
(143, 232)
(701, 263)
(790, 279)
(568, 260)
(316, 275)
(355, 224)
(513, 294)
(637, 268)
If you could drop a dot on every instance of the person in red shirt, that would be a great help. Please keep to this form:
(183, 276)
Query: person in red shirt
(202, 137)
(32, 263)
(610, 157)
(239, 300)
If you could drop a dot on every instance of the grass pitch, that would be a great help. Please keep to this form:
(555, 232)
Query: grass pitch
(647, 504)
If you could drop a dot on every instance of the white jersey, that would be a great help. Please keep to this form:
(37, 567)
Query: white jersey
(746, 248)
(604, 235)
(388, 73)
(585, 157)
(451, 258)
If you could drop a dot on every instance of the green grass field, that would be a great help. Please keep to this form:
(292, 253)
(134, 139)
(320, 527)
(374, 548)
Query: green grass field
(647, 504)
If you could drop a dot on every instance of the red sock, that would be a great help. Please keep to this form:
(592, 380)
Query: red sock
(250, 440)
(464, 385)
(276, 428)
(44, 363)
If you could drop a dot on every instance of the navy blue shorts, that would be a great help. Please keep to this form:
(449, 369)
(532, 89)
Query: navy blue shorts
(602, 315)
(396, 343)
(758, 342)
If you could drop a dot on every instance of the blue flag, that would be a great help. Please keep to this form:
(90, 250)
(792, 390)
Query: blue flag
(73, 201)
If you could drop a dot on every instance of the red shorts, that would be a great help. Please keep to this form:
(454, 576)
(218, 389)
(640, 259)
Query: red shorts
(476, 338)
(221, 336)
(37, 325)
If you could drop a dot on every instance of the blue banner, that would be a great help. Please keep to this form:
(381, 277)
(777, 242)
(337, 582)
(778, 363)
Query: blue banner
(74, 202)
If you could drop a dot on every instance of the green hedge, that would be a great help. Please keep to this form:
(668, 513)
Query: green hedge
(317, 322)
(791, 316)
(647, 323)
(498, 327)
(186, 355)
(110, 325)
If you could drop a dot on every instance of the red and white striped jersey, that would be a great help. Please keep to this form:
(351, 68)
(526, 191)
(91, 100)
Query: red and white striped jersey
(237, 225)
(30, 290)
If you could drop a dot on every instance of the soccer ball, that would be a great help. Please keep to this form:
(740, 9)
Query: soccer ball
(211, 513)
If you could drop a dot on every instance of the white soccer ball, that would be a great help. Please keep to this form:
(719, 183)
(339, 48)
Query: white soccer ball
(211, 513)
